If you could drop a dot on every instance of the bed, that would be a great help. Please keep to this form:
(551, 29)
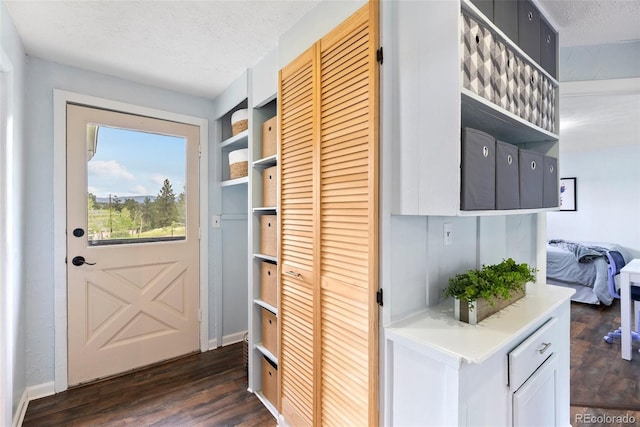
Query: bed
(587, 267)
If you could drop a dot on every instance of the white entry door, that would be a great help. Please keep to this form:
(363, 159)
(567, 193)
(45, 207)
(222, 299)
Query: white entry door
(132, 241)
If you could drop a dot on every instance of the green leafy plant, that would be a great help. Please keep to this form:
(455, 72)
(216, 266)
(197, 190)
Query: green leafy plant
(490, 282)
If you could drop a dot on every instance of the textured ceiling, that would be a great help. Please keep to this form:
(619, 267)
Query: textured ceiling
(195, 47)
(589, 22)
(200, 47)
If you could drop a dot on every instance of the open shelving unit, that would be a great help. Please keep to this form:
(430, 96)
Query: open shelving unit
(258, 163)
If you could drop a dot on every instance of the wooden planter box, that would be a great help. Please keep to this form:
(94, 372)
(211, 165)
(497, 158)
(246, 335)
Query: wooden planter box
(481, 308)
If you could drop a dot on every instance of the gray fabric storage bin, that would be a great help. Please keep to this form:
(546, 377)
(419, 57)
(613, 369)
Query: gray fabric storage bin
(531, 167)
(478, 166)
(547, 104)
(525, 89)
(505, 16)
(507, 176)
(535, 97)
(477, 66)
(545, 87)
(484, 6)
(529, 29)
(548, 48)
(505, 77)
(550, 183)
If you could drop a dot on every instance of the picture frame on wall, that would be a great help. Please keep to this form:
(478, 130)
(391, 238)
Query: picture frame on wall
(568, 193)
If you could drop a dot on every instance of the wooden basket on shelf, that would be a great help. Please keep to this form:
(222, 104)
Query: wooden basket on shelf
(245, 350)
(239, 121)
(238, 163)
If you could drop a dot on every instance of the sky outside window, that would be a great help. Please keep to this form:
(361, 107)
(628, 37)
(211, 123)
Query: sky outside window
(132, 163)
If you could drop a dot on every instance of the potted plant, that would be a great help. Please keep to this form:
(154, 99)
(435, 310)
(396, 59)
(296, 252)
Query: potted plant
(480, 293)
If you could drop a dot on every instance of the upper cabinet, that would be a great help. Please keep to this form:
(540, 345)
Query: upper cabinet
(469, 68)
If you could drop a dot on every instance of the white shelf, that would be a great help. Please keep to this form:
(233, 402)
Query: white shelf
(266, 305)
(506, 212)
(266, 162)
(480, 113)
(266, 257)
(240, 140)
(262, 349)
(266, 210)
(232, 182)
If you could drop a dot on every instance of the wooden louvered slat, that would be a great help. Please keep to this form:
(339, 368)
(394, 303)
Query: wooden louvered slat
(296, 318)
(328, 228)
(346, 367)
(348, 208)
(358, 39)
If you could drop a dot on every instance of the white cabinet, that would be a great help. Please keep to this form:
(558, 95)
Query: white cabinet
(442, 372)
(534, 404)
(425, 105)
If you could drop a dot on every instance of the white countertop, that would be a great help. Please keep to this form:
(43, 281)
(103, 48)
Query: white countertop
(436, 328)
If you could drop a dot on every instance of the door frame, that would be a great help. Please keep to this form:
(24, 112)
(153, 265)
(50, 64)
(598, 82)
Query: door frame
(60, 100)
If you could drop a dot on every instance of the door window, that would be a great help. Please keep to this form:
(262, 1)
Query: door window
(135, 186)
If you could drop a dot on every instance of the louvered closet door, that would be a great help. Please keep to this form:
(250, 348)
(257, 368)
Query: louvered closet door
(349, 221)
(296, 311)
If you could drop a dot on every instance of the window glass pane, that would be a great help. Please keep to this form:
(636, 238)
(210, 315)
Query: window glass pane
(136, 186)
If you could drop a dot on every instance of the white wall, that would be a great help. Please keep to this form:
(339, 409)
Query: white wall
(313, 26)
(600, 146)
(421, 264)
(42, 78)
(608, 197)
(13, 225)
(230, 239)
(600, 62)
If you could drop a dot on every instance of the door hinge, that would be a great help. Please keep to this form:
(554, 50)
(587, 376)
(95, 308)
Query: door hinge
(379, 297)
(199, 150)
(379, 55)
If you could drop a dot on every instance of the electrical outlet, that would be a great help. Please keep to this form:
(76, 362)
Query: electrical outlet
(448, 233)
(215, 221)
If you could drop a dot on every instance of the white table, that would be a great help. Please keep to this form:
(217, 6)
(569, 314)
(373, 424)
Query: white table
(630, 273)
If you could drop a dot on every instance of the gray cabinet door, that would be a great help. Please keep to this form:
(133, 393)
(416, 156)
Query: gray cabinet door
(478, 176)
(531, 179)
(507, 176)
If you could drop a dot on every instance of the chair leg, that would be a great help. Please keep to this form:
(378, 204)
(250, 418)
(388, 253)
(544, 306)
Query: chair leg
(635, 335)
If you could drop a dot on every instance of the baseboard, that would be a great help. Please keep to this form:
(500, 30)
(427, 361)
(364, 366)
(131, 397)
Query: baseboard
(32, 393)
(233, 338)
(41, 390)
(21, 410)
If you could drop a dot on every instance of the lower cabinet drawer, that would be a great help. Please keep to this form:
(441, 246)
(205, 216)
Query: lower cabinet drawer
(531, 353)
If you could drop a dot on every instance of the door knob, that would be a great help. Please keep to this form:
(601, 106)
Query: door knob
(79, 260)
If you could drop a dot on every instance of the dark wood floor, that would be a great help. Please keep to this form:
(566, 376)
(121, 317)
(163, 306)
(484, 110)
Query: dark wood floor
(600, 378)
(209, 389)
(206, 389)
